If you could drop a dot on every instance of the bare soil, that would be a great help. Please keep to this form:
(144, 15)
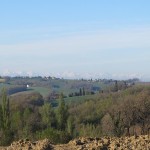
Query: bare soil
(106, 143)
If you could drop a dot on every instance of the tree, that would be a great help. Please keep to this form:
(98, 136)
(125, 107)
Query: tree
(116, 86)
(5, 110)
(5, 132)
(80, 92)
(70, 125)
(62, 113)
(107, 125)
(83, 91)
(47, 114)
(1, 117)
(116, 115)
(17, 123)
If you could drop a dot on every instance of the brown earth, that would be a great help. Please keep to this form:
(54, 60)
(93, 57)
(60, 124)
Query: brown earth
(107, 143)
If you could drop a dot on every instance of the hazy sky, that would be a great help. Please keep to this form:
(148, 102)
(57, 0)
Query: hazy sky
(75, 37)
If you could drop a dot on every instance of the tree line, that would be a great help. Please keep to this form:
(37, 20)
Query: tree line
(114, 114)
(34, 122)
(106, 114)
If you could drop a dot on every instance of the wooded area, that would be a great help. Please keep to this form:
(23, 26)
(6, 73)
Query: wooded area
(118, 112)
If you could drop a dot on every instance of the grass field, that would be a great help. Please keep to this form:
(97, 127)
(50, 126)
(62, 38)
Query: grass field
(76, 99)
(43, 91)
(4, 85)
(2, 80)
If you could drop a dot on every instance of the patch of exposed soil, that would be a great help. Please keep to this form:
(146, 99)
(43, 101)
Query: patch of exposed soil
(107, 143)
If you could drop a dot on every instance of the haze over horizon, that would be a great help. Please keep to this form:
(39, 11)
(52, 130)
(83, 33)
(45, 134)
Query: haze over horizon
(108, 39)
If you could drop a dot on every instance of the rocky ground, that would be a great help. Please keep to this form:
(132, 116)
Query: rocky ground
(106, 143)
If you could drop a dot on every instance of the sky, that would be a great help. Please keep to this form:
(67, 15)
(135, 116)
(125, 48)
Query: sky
(75, 38)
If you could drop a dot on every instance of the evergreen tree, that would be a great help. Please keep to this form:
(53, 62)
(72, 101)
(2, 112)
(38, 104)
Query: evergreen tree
(1, 117)
(26, 120)
(70, 125)
(62, 113)
(116, 86)
(125, 85)
(5, 110)
(47, 114)
(83, 91)
(16, 122)
(80, 92)
(5, 132)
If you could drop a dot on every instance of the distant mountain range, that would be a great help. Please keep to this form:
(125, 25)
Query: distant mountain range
(73, 75)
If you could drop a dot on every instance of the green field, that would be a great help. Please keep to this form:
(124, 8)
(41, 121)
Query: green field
(78, 99)
(75, 99)
(43, 91)
(4, 85)
(2, 80)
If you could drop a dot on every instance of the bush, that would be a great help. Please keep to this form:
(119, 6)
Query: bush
(6, 137)
(54, 135)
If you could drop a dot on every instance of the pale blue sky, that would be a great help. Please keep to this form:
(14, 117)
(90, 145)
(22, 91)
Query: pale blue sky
(108, 38)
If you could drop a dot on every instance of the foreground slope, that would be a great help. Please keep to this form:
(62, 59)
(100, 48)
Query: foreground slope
(107, 143)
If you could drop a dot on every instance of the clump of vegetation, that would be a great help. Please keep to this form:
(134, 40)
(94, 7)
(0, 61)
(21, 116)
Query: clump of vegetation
(29, 120)
(5, 131)
(120, 111)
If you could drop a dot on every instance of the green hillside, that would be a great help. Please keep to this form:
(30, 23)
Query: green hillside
(42, 90)
(2, 80)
